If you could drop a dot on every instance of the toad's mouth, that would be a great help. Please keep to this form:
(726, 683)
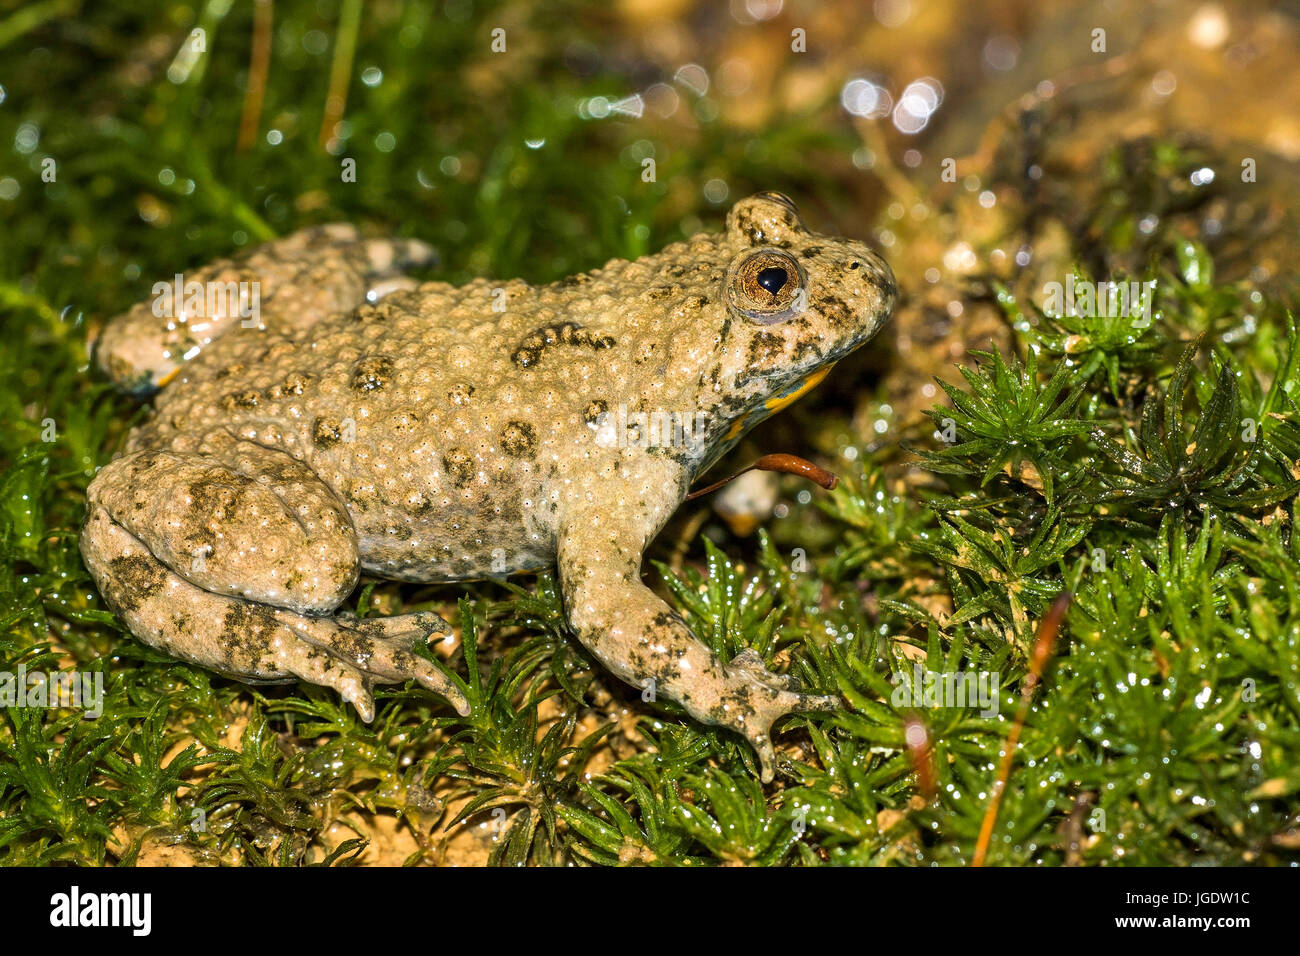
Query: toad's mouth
(777, 402)
(749, 419)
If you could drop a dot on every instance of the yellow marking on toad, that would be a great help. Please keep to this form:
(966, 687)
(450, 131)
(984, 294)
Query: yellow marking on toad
(775, 404)
(168, 377)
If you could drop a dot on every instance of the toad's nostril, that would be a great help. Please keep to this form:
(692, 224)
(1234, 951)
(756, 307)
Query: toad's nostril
(773, 279)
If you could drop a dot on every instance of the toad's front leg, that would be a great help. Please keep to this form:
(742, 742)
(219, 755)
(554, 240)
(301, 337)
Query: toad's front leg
(639, 637)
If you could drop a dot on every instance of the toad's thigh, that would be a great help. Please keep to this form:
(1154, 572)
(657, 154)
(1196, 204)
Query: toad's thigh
(248, 522)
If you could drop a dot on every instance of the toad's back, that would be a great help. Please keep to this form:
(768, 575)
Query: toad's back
(444, 417)
(413, 411)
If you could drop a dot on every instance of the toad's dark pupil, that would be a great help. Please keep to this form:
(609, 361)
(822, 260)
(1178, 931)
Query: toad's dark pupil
(772, 279)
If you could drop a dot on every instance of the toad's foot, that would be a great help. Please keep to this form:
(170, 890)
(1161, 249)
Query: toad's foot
(235, 559)
(772, 697)
(374, 651)
(754, 699)
(750, 662)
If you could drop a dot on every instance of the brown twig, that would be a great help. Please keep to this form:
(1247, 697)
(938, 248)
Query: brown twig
(916, 734)
(259, 66)
(1044, 642)
(345, 46)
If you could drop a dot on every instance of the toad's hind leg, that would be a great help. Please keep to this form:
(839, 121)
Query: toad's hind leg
(237, 563)
(286, 285)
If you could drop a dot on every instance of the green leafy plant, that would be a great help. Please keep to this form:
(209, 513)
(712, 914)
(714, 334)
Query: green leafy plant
(1176, 465)
(1007, 421)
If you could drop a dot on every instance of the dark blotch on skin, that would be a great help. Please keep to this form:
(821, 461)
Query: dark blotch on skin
(245, 399)
(384, 310)
(764, 347)
(518, 440)
(836, 312)
(811, 252)
(283, 471)
(326, 433)
(459, 466)
(294, 384)
(405, 420)
(666, 620)
(460, 393)
(534, 345)
(229, 370)
(372, 373)
(132, 580)
(353, 645)
(247, 635)
(595, 408)
(890, 286)
(805, 347)
(215, 497)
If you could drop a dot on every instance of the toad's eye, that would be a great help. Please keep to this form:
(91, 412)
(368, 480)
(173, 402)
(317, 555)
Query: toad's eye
(766, 286)
(773, 278)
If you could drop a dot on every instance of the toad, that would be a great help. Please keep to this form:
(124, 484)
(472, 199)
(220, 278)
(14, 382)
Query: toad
(358, 422)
